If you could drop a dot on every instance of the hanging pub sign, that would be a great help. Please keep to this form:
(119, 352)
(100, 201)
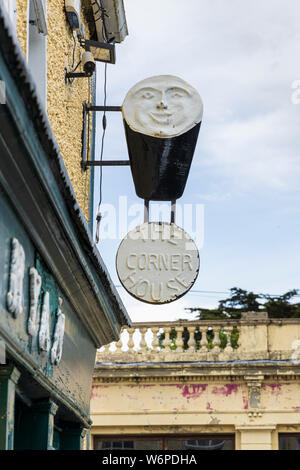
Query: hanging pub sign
(157, 262)
(162, 117)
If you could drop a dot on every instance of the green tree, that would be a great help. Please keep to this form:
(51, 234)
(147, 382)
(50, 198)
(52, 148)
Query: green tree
(241, 300)
(280, 306)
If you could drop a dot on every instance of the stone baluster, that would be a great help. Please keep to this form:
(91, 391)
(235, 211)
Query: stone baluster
(216, 341)
(130, 343)
(143, 344)
(228, 348)
(191, 342)
(179, 339)
(203, 341)
(155, 342)
(167, 340)
(119, 345)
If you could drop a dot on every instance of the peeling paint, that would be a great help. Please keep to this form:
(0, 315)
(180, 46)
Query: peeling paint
(214, 421)
(208, 407)
(246, 404)
(275, 388)
(193, 391)
(94, 391)
(228, 389)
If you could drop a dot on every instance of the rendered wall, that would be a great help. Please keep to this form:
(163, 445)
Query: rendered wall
(64, 101)
(201, 408)
(252, 391)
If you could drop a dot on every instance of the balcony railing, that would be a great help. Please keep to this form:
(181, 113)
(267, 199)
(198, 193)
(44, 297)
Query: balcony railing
(254, 337)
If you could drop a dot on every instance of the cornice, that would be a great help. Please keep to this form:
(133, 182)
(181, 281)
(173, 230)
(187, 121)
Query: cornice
(217, 376)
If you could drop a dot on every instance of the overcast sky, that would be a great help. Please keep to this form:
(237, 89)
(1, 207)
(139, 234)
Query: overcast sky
(243, 58)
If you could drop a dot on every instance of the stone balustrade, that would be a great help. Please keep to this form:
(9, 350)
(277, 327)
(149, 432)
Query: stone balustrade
(254, 337)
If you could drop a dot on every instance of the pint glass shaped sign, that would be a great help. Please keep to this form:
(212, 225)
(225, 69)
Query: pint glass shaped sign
(162, 117)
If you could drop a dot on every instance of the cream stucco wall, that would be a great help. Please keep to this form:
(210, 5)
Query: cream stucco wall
(22, 9)
(64, 100)
(252, 391)
(185, 407)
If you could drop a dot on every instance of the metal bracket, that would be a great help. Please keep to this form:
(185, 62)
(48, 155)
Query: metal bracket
(146, 211)
(90, 107)
(85, 163)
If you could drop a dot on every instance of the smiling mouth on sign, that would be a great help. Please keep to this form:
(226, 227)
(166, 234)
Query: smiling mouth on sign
(161, 118)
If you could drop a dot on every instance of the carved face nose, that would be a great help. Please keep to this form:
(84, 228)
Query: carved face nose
(163, 103)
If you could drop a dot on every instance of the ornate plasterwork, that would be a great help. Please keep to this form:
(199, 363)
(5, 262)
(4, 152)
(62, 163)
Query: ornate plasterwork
(14, 298)
(44, 333)
(57, 347)
(254, 389)
(101, 378)
(37, 323)
(35, 289)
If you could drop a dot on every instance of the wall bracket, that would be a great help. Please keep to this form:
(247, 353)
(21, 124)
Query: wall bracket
(85, 162)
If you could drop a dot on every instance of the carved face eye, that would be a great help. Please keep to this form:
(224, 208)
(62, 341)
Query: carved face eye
(147, 95)
(177, 93)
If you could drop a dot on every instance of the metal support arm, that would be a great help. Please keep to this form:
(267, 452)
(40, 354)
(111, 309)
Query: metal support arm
(85, 163)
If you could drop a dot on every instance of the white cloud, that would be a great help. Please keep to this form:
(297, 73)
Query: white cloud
(243, 58)
(256, 151)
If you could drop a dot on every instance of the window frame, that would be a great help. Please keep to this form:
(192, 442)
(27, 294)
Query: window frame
(288, 434)
(163, 438)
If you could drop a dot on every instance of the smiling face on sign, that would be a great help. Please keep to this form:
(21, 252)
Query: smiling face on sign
(162, 106)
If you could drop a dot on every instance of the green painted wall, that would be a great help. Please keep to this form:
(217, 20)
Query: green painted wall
(73, 375)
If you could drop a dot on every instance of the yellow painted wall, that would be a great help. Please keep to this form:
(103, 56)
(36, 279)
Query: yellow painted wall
(169, 398)
(252, 392)
(201, 407)
(64, 101)
(22, 7)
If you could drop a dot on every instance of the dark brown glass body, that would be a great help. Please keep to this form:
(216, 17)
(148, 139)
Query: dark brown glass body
(160, 166)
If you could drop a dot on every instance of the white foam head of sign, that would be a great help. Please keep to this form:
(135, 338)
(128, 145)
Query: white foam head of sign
(162, 106)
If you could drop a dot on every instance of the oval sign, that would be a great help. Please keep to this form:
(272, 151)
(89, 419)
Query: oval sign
(157, 262)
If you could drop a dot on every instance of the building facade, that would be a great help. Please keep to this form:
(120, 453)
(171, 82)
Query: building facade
(57, 301)
(219, 386)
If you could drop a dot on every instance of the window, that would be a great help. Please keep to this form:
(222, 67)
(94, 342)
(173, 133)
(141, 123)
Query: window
(114, 445)
(289, 441)
(203, 442)
(11, 9)
(214, 443)
(37, 47)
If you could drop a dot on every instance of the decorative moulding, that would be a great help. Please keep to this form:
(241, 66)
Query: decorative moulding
(14, 298)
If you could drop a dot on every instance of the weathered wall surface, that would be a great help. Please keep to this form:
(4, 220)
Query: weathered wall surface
(64, 100)
(206, 407)
(22, 8)
(252, 391)
(169, 398)
(64, 105)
